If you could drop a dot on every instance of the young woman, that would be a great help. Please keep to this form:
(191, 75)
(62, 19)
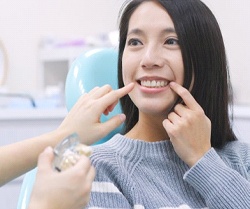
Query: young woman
(178, 149)
(70, 188)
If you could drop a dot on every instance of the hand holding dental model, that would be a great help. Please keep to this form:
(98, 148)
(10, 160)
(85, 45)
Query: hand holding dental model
(52, 188)
(67, 189)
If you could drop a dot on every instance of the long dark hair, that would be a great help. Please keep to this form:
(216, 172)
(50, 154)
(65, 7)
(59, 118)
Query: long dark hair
(204, 58)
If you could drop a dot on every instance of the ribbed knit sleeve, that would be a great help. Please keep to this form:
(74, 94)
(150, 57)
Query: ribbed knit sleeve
(220, 185)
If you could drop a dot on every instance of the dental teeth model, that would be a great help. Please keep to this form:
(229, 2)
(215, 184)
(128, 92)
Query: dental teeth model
(68, 152)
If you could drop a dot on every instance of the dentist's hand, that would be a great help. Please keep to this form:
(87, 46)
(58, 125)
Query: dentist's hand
(84, 117)
(68, 189)
(188, 127)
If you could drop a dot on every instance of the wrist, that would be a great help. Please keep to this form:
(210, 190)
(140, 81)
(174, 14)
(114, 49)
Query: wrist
(196, 159)
(58, 135)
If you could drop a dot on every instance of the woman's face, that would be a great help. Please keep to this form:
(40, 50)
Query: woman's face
(152, 58)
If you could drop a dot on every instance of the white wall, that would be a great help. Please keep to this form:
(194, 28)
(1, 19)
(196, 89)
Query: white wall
(24, 23)
(233, 17)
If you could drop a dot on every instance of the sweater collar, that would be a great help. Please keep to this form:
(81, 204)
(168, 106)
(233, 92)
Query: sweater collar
(135, 147)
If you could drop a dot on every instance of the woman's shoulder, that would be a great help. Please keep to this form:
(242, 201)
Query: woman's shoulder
(237, 146)
(236, 151)
(107, 152)
(102, 151)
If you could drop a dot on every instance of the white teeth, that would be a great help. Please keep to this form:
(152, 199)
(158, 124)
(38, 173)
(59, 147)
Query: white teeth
(154, 84)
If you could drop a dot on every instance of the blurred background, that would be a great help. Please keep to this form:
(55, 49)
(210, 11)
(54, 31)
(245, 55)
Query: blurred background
(40, 39)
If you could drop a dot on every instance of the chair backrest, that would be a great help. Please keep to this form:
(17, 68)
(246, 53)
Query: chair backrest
(95, 67)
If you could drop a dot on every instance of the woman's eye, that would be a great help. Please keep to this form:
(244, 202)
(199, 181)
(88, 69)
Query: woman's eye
(172, 41)
(134, 42)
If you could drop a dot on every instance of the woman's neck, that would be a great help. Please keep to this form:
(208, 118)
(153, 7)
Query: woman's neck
(148, 129)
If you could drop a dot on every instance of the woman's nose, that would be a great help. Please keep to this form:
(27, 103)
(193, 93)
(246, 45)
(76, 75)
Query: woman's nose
(151, 58)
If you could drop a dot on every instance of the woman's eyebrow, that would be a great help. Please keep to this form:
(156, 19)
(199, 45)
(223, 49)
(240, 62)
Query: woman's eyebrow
(137, 31)
(169, 30)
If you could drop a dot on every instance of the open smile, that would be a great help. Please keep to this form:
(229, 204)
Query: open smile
(153, 83)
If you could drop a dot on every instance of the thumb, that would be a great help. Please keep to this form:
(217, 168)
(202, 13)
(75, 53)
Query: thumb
(113, 123)
(45, 159)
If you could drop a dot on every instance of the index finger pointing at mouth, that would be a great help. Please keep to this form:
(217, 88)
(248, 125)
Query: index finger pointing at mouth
(115, 95)
(124, 90)
(185, 95)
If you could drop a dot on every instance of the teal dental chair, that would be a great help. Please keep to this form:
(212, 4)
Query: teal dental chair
(95, 67)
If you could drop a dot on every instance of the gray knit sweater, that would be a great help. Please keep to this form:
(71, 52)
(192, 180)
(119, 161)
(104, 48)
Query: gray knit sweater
(144, 175)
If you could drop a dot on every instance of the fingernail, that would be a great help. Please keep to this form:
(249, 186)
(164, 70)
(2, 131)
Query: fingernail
(172, 83)
(48, 149)
(122, 117)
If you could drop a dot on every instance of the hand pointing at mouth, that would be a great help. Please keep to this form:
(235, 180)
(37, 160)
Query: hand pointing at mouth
(188, 127)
